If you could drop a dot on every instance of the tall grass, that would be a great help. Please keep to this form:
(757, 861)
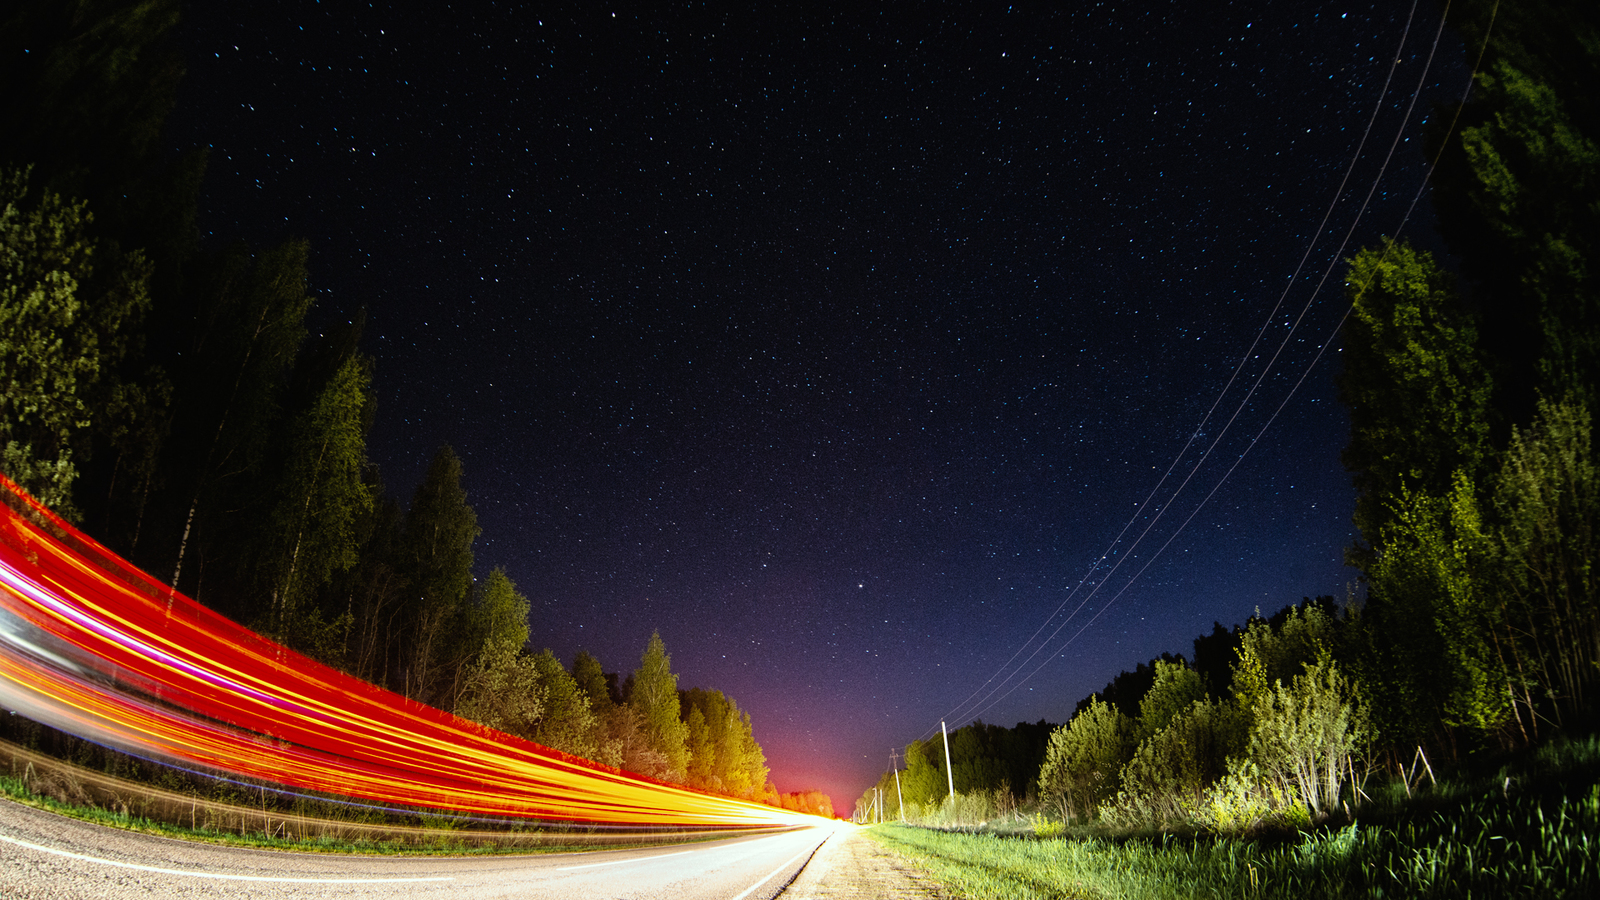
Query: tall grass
(1532, 831)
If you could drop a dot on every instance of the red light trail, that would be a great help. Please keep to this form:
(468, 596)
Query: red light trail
(93, 646)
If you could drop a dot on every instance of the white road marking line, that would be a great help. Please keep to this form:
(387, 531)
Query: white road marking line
(751, 889)
(618, 862)
(216, 875)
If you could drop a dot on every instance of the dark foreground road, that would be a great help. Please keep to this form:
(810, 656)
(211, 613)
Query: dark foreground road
(44, 856)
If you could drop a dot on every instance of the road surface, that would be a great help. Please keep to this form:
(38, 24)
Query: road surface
(44, 855)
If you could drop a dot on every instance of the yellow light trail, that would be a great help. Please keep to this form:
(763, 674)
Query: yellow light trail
(93, 646)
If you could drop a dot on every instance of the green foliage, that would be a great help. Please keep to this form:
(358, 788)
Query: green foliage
(1548, 496)
(60, 343)
(1084, 759)
(435, 555)
(311, 531)
(1484, 845)
(503, 688)
(1437, 660)
(1414, 381)
(1481, 623)
(924, 783)
(723, 753)
(1304, 734)
(1172, 769)
(992, 758)
(1176, 688)
(1044, 828)
(567, 723)
(88, 85)
(1534, 175)
(586, 671)
(655, 697)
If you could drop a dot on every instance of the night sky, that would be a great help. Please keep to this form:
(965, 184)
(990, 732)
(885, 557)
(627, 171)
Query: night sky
(839, 348)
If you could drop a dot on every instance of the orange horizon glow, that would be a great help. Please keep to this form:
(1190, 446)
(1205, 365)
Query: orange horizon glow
(95, 647)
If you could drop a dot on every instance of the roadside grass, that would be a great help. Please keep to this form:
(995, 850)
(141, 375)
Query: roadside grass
(422, 842)
(1528, 831)
(242, 815)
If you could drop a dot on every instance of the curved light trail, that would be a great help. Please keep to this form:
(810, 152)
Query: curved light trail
(93, 646)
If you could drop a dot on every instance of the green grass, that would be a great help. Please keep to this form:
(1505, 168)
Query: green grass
(1536, 835)
(437, 841)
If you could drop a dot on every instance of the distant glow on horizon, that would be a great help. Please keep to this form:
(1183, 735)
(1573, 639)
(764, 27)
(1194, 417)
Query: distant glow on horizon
(94, 647)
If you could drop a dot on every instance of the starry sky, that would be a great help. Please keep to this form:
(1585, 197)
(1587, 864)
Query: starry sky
(847, 350)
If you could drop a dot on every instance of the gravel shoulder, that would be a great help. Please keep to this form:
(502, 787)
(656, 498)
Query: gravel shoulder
(852, 866)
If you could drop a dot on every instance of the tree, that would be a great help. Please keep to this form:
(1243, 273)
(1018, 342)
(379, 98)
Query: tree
(591, 677)
(1548, 496)
(567, 724)
(60, 320)
(1438, 655)
(228, 398)
(1172, 768)
(1304, 733)
(502, 687)
(655, 697)
(436, 557)
(702, 752)
(374, 591)
(85, 88)
(1176, 688)
(322, 498)
(1413, 380)
(1084, 760)
(924, 781)
(1516, 190)
(723, 753)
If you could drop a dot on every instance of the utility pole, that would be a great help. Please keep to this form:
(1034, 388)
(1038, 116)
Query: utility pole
(949, 771)
(894, 763)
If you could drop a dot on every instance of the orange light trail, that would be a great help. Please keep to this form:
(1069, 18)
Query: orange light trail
(93, 646)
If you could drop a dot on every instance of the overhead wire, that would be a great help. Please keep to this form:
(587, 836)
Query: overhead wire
(1199, 430)
(1416, 198)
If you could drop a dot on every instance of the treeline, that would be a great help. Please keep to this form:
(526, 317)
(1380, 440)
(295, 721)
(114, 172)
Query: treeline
(171, 399)
(1472, 396)
(1000, 764)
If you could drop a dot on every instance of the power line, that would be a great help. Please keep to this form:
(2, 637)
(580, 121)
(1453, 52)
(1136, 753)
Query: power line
(1267, 323)
(1328, 342)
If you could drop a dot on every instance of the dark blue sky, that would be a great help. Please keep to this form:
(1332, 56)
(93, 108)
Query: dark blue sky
(838, 348)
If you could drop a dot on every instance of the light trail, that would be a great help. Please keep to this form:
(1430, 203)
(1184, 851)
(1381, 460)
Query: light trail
(93, 646)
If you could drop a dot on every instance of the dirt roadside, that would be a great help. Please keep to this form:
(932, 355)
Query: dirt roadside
(851, 866)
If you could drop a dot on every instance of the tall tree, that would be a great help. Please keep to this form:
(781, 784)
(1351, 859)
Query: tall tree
(723, 753)
(322, 498)
(228, 397)
(1548, 496)
(655, 697)
(375, 591)
(436, 558)
(501, 687)
(85, 88)
(568, 724)
(60, 341)
(591, 677)
(1413, 380)
(1516, 193)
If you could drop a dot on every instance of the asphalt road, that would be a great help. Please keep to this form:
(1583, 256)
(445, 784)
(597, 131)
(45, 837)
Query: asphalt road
(51, 857)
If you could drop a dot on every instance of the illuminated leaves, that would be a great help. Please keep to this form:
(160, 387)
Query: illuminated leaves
(59, 337)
